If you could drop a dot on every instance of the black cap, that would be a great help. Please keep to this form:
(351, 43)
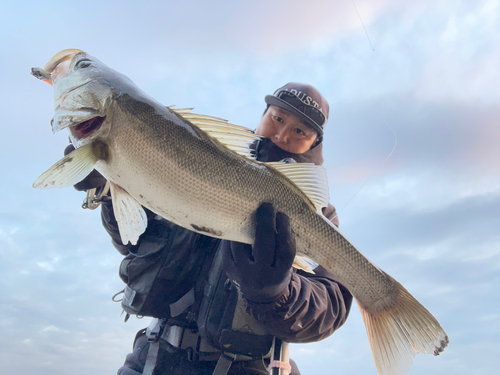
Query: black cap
(304, 101)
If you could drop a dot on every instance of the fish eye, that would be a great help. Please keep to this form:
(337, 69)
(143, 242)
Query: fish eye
(83, 64)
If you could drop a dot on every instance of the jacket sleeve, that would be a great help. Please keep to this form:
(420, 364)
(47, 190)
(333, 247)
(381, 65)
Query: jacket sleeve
(311, 309)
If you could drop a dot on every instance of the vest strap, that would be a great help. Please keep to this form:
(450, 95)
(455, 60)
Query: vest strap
(154, 348)
(224, 364)
(182, 304)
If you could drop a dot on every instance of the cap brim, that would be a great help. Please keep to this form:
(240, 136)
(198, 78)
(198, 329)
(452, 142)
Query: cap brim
(272, 100)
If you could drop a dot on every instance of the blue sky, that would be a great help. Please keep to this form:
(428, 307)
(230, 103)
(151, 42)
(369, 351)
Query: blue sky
(429, 215)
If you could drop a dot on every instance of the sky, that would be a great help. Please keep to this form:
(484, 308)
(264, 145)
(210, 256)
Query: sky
(411, 151)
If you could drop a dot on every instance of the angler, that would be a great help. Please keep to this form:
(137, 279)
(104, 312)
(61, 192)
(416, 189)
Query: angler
(269, 290)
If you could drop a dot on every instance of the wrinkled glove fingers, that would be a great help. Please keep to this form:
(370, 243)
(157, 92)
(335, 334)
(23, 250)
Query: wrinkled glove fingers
(285, 242)
(241, 253)
(235, 255)
(265, 235)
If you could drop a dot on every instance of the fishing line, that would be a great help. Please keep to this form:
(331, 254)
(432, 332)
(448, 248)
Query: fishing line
(373, 173)
(385, 122)
(362, 24)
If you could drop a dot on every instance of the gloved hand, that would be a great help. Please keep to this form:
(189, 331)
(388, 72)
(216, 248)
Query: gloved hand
(93, 180)
(264, 271)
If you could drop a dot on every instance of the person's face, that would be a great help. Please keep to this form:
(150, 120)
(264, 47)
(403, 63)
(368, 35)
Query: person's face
(286, 130)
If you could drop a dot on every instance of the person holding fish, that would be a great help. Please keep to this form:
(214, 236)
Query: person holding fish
(218, 225)
(295, 306)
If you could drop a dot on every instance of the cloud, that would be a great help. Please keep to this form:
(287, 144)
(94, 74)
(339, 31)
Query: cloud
(50, 329)
(445, 152)
(460, 63)
(489, 317)
(469, 222)
(284, 26)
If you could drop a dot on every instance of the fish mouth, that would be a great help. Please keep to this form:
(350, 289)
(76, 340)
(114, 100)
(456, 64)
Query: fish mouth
(86, 128)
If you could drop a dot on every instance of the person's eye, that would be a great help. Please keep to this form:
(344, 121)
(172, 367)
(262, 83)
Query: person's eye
(299, 131)
(279, 119)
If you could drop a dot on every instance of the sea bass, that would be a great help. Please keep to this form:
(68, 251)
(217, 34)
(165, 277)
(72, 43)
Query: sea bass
(198, 172)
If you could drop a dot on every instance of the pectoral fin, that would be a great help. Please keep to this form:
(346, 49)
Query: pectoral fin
(71, 169)
(131, 217)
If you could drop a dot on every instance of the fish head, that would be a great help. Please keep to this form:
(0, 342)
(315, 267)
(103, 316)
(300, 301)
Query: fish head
(82, 94)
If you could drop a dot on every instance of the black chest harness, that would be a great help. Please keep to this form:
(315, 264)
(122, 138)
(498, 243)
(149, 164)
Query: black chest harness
(209, 323)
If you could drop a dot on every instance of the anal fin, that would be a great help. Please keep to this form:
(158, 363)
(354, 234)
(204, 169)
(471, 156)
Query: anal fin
(301, 262)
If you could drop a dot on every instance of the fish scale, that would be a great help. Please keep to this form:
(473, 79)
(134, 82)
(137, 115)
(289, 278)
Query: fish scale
(192, 170)
(204, 183)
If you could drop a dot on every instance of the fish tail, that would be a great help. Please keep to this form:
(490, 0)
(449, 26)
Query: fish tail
(398, 334)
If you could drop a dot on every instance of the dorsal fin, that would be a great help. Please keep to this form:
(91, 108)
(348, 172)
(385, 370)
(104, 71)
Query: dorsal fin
(310, 178)
(234, 137)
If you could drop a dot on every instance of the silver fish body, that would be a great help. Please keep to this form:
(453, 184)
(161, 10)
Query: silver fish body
(174, 168)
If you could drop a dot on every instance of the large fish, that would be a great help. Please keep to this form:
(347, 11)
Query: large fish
(197, 171)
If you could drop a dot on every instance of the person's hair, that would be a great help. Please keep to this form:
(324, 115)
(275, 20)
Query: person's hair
(265, 110)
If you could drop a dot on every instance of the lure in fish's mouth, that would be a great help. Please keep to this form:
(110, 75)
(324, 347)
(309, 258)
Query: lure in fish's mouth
(86, 128)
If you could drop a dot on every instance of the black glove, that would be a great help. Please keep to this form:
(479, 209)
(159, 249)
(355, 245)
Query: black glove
(264, 271)
(93, 180)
